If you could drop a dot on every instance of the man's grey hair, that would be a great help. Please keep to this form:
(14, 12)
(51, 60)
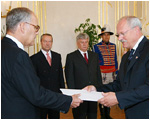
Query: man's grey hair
(132, 21)
(82, 36)
(17, 15)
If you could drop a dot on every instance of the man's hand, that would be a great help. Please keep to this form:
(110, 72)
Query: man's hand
(89, 88)
(109, 99)
(76, 101)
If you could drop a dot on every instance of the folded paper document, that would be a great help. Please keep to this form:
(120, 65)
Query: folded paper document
(85, 95)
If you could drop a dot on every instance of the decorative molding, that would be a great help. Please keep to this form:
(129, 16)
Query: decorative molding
(106, 13)
(109, 3)
(102, 13)
(45, 16)
(9, 9)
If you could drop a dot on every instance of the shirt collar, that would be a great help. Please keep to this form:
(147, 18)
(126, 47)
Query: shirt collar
(82, 52)
(19, 44)
(138, 42)
(44, 52)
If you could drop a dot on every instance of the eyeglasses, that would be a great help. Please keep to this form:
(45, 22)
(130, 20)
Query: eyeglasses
(117, 35)
(37, 27)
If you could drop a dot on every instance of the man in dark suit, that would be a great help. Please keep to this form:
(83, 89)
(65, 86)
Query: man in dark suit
(21, 93)
(131, 88)
(82, 69)
(51, 75)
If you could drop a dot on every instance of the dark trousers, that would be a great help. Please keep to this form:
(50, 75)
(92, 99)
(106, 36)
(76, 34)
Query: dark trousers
(104, 112)
(51, 114)
(85, 110)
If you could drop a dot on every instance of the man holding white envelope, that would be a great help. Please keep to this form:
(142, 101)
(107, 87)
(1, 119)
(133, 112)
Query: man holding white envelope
(130, 90)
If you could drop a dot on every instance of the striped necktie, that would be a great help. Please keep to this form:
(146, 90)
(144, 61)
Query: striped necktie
(131, 54)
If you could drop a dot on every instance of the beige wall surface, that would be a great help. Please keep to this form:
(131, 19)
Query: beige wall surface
(63, 18)
(60, 18)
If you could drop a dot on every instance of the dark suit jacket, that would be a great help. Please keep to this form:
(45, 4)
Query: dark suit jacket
(80, 74)
(51, 77)
(132, 83)
(21, 92)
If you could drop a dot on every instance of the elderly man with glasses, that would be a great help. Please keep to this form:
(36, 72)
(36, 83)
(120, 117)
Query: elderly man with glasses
(21, 93)
(130, 90)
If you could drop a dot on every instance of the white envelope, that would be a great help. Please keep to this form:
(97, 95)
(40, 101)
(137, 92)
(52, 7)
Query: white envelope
(85, 95)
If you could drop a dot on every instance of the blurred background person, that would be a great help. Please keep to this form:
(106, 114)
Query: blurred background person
(82, 69)
(48, 67)
(107, 61)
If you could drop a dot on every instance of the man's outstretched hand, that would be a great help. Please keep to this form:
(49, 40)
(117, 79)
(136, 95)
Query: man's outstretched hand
(109, 99)
(76, 101)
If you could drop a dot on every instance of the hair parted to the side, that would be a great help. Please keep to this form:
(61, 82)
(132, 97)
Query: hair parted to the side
(17, 15)
(82, 36)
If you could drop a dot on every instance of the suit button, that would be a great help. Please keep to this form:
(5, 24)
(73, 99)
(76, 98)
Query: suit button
(125, 83)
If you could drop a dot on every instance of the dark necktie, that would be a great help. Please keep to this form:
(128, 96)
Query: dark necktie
(131, 54)
(85, 58)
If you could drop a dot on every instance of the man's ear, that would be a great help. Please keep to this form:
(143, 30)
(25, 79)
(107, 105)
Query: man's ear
(137, 29)
(22, 27)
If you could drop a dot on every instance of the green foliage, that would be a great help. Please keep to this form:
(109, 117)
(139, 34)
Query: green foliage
(91, 30)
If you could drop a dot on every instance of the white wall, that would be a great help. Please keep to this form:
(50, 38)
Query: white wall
(63, 18)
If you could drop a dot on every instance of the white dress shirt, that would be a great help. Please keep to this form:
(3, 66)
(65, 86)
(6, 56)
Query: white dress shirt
(82, 53)
(44, 52)
(19, 44)
(137, 44)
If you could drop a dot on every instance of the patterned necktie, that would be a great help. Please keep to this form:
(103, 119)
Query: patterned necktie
(85, 58)
(131, 54)
(48, 58)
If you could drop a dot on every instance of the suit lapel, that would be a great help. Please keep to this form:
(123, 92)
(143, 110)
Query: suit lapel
(126, 63)
(133, 60)
(43, 60)
(137, 54)
(89, 57)
(81, 57)
(52, 58)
